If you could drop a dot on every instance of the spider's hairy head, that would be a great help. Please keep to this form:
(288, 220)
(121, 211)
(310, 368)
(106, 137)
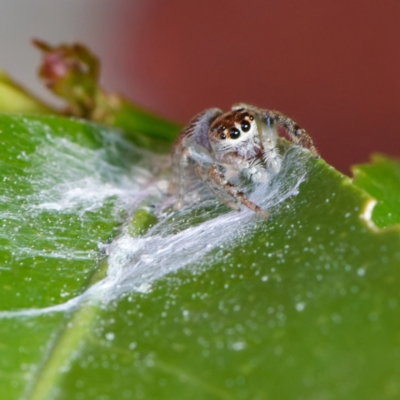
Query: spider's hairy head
(230, 130)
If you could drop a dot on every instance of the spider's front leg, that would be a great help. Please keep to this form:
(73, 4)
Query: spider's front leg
(296, 133)
(215, 179)
(202, 173)
(269, 139)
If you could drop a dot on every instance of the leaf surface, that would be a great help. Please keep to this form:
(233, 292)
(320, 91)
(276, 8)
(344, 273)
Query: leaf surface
(381, 179)
(201, 303)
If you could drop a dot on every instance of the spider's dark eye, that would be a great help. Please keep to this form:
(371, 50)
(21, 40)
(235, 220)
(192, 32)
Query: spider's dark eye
(234, 133)
(251, 118)
(222, 136)
(245, 125)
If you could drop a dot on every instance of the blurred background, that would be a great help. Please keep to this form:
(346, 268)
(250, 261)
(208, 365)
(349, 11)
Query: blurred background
(332, 66)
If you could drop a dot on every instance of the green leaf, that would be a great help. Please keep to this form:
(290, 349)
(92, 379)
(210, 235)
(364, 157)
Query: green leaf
(15, 99)
(381, 179)
(204, 303)
(59, 201)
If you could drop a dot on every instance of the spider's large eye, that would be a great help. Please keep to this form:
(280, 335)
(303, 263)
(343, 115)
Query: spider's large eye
(234, 133)
(245, 125)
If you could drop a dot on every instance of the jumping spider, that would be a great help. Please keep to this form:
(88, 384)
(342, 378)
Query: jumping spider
(221, 146)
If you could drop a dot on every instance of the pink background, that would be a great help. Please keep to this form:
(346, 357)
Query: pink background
(333, 66)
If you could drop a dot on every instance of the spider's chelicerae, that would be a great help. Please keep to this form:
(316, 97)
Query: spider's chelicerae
(220, 147)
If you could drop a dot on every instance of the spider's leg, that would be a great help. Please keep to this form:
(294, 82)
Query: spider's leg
(190, 152)
(296, 133)
(191, 143)
(202, 173)
(176, 161)
(181, 175)
(218, 178)
(269, 138)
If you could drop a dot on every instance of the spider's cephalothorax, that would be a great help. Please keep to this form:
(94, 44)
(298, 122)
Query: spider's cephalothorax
(234, 131)
(220, 146)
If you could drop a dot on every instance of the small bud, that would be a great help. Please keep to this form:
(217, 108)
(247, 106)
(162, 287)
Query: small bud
(70, 72)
